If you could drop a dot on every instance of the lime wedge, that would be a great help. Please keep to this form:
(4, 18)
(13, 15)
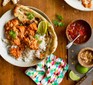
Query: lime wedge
(73, 76)
(42, 27)
(81, 69)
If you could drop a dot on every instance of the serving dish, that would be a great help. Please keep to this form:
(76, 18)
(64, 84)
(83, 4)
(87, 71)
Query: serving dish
(79, 27)
(5, 18)
(78, 5)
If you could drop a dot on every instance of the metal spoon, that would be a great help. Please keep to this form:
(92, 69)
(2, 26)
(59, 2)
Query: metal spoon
(71, 43)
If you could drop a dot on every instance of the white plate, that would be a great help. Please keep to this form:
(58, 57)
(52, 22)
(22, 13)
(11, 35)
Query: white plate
(78, 5)
(3, 50)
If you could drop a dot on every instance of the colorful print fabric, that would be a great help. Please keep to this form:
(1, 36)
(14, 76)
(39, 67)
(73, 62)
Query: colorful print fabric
(50, 71)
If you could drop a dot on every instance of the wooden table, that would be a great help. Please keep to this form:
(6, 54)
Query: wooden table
(12, 75)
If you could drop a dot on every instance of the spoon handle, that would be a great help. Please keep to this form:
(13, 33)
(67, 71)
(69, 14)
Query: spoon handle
(76, 38)
(71, 43)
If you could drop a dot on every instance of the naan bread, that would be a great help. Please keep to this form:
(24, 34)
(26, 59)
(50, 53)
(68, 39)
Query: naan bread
(20, 11)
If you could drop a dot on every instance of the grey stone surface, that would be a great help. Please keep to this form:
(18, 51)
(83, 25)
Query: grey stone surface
(72, 58)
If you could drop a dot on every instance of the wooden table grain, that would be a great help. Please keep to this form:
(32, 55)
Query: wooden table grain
(12, 75)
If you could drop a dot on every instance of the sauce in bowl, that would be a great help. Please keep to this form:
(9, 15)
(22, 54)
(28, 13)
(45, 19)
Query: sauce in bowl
(85, 57)
(79, 27)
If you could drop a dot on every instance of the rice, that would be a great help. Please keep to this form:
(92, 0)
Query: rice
(14, 46)
(37, 54)
(28, 55)
(5, 41)
(43, 44)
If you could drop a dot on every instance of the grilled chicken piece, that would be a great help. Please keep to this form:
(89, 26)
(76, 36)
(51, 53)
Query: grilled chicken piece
(15, 1)
(21, 31)
(11, 23)
(31, 42)
(16, 52)
(33, 26)
(16, 41)
(87, 3)
(5, 2)
(31, 29)
(11, 26)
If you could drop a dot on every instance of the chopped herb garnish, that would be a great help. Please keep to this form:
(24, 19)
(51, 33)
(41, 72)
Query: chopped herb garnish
(58, 21)
(12, 33)
(21, 24)
(39, 41)
(36, 37)
(59, 17)
(60, 24)
(30, 16)
(55, 22)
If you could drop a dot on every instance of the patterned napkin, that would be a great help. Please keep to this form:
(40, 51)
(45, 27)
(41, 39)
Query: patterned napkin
(48, 72)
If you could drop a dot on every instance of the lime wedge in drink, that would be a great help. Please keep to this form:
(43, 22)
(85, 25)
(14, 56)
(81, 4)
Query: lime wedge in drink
(73, 76)
(81, 69)
(42, 27)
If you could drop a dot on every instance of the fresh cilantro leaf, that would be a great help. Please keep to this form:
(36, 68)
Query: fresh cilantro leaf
(60, 24)
(36, 37)
(58, 21)
(12, 33)
(55, 22)
(30, 16)
(59, 17)
(21, 24)
(39, 41)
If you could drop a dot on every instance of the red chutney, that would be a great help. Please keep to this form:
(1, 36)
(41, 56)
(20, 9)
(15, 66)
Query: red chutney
(79, 27)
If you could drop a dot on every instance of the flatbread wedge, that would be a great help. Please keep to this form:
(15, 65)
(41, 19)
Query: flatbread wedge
(20, 12)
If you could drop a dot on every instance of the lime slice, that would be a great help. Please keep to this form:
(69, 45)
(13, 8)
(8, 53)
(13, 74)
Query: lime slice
(81, 69)
(42, 27)
(73, 76)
